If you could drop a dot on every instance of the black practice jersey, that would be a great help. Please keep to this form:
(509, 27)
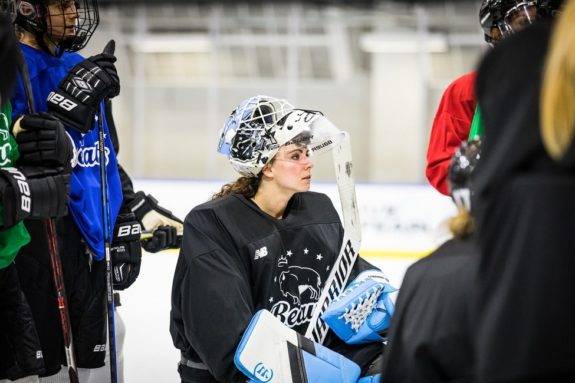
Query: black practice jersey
(430, 335)
(235, 259)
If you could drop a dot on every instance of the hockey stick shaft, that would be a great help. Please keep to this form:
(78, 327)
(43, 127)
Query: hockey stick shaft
(55, 260)
(106, 229)
(341, 269)
(109, 48)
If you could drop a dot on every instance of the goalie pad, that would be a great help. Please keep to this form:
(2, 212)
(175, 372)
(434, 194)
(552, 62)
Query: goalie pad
(272, 352)
(370, 379)
(363, 310)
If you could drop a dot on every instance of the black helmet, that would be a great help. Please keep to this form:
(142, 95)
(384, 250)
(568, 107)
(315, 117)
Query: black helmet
(509, 16)
(8, 7)
(8, 50)
(79, 19)
(461, 168)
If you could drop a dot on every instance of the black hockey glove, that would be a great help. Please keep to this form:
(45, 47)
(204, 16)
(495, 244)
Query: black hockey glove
(79, 94)
(42, 140)
(33, 193)
(125, 251)
(166, 229)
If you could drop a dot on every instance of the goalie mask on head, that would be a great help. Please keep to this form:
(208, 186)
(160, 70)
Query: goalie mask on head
(509, 16)
(260, 125)
(463, 164)
(77, 20)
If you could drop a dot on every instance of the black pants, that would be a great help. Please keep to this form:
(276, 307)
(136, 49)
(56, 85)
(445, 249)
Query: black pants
(19, 344)
(85, 283)
(194, 375)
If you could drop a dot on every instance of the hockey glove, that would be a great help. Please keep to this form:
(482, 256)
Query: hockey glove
(42, 140)
(125, 251)
(166, 229)
(79, 94)
(33, 193)
(363, 311)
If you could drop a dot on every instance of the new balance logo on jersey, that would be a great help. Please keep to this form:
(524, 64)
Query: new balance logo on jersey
(39, 354)
(260, 253)
(100, 348)
(61, 101)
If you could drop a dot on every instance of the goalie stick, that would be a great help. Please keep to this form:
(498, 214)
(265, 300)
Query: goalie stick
(55, 260)
(341, 270)
(109, 48)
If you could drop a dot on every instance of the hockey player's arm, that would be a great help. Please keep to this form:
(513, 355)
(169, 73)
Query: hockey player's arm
(211, 300)
(164, 230)
(364, 310)
(271, 352)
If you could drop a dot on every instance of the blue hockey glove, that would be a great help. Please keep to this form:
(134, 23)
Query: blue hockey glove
(363, 311)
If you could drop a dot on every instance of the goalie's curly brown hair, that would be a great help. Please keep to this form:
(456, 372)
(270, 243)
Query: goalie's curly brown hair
(247, 186)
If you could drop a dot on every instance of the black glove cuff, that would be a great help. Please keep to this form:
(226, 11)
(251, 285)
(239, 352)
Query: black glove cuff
(142, 204)
(15, 196)
(127, 228)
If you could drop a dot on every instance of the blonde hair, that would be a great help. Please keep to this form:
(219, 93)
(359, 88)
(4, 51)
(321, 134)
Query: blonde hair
(462, 225)
(558, 90)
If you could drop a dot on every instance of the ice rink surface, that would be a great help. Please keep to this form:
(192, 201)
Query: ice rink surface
(149, 355)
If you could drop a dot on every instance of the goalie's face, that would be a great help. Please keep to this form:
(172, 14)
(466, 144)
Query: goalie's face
(61, 19)
(290, 169)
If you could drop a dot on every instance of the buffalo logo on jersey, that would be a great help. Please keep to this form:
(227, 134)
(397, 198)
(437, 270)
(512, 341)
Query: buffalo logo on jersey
(299, 287)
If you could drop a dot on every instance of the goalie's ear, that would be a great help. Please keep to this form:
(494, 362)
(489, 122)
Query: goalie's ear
(267, 170)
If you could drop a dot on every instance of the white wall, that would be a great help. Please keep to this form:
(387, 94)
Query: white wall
(400, 223)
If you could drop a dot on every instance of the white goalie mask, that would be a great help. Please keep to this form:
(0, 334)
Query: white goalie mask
(260, 125)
